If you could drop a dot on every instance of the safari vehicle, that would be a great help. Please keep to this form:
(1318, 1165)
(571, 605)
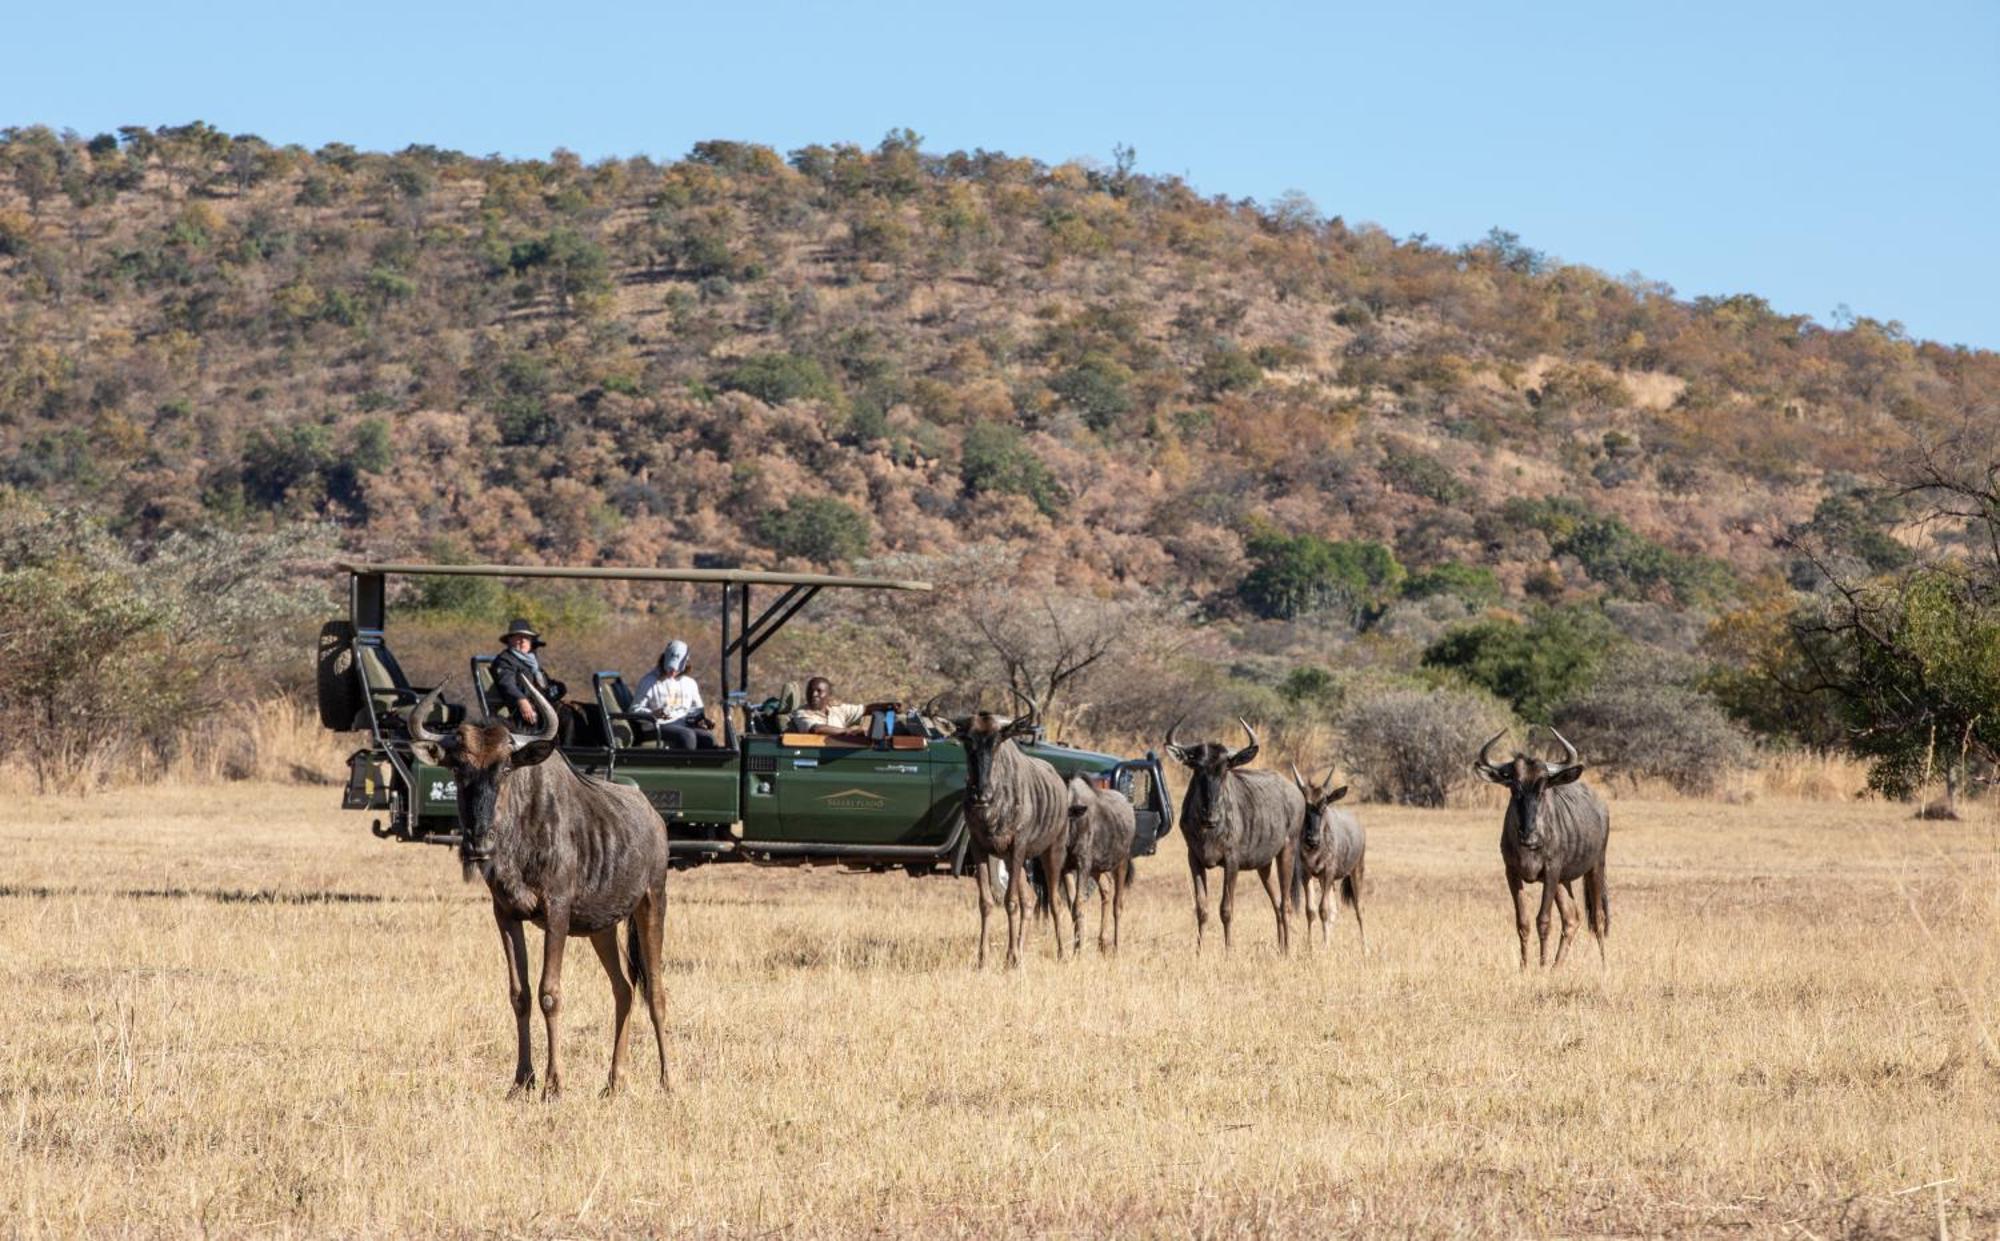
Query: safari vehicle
(764, 795)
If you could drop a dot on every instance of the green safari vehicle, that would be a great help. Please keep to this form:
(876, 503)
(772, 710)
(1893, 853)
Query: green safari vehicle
(765, 795)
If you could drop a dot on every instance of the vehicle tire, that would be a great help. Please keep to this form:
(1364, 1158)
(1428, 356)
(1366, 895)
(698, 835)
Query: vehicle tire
(339, 680)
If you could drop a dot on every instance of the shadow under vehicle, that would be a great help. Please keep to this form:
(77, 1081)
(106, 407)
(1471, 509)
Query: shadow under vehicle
(764, 795)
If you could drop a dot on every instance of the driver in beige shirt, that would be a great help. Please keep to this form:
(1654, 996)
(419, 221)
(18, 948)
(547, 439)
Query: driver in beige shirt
(824, 716)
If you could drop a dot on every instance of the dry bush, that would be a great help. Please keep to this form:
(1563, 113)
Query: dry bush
(1415, 747)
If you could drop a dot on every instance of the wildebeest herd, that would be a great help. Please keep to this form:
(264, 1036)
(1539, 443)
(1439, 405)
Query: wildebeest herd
(578, 856)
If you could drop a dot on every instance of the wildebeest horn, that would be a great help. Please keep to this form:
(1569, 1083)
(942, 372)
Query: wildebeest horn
(1488, 748)
(547, 714)
(1251, 731)
(1568, 749)
(1299, 779)
(1171, 730)
(422, 710)
(1027, 718)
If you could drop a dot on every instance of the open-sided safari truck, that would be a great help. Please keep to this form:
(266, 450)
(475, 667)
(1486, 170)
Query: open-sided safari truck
(765, 795)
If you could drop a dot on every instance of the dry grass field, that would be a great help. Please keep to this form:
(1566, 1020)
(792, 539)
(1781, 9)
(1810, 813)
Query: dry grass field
(238, 1014)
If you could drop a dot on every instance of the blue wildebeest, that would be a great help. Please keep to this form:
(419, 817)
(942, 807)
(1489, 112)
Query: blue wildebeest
(1017, 809)
(1554, 833)
(1332, 850)
(573, 855)
(1238, 820)
(1101, 831)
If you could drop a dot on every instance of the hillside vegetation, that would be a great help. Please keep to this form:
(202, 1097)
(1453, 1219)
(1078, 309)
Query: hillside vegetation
(1305, 445)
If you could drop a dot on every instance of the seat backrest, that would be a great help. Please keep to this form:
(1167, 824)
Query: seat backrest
(482, 683)
(379, 671)
(615, 700)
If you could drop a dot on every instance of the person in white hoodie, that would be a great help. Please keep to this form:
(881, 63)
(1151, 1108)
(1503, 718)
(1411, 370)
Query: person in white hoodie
(670, 696)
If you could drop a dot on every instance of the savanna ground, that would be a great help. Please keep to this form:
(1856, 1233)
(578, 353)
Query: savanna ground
(238, 1014)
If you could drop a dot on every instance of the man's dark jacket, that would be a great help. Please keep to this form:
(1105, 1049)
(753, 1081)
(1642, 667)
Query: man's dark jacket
(511, 677)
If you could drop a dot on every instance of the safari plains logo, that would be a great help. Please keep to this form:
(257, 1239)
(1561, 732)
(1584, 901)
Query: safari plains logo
(444, 790)
(853, 799)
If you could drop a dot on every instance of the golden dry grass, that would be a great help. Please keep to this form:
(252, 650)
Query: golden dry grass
(240, 1014)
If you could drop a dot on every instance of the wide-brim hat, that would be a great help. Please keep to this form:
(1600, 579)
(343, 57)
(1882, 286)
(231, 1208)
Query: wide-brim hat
(520, 628)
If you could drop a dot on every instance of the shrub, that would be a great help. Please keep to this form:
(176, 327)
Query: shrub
(1614, 554)
(1477, 585)
(1415, 747)
(1645, 718)
(1420, 474)
(1227, 370)
(1303, 574)
(996, 458)
(1098, 388)
(816, 528)
(775, 378)
(1532, 667)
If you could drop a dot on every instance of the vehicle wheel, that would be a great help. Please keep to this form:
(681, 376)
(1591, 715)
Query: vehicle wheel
(339, 681)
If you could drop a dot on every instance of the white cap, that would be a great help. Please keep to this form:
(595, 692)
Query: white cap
(675, 657)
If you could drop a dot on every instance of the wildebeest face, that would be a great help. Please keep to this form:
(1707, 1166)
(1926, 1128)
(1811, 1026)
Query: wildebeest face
(479, 756)
(1209, 764)
(981, 735)
(1318, 798)
(1527, 780)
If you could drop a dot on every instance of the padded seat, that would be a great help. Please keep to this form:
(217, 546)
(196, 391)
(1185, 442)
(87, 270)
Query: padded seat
(391, 691)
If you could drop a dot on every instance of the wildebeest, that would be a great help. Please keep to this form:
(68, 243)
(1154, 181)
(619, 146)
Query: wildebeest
(1554, 833)
(573, 855)
(1238, 820)
(1017, 810)
(1333, 850)
(1101, 830)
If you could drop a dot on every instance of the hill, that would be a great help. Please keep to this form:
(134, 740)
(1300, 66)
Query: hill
(1334, 443)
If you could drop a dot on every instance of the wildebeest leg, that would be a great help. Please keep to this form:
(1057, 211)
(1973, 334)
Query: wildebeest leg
(1052, 875)
(1354, 883)
(606, 943)
(1566, 909)
(1542, 920)
(1327, 907)
(1597, 906)
(514, 942)
(1111, 881)
(982, 879)
(1198, 874)
(1075, 879)
(1018, 912)
(1520, 915)
(1228, 901)
(1276, 887)
(649, 928)
(556, 926)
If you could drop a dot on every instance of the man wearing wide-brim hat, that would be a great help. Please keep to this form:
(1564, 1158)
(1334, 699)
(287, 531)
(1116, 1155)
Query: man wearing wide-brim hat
(515, 668)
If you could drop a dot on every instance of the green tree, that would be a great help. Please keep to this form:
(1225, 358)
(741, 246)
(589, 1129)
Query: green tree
(816, 528)
(996, 458)
(1535, 668)
(775, 378)
(1098, 387)
(1298, 575)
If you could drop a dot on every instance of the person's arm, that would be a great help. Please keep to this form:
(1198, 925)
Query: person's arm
(507, 679)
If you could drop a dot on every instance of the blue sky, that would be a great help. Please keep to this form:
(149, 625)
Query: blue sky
(1814, 154)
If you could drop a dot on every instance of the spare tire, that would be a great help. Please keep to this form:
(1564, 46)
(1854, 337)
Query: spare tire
(339, 680)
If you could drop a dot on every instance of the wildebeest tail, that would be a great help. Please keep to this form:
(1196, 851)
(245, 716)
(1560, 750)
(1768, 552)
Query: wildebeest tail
(635, 955)
(1596, 900)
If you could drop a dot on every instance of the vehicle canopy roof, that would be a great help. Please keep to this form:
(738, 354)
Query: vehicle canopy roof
(734, 577)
